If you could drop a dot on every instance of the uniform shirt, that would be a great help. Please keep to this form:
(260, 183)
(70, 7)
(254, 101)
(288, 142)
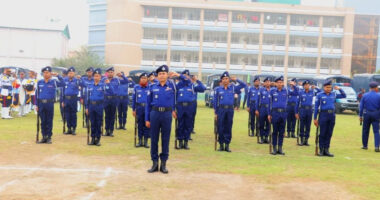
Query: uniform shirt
(263, 97)
(139, 95)
(327, 101)
(369, 102)
(123, 88)
(96, 92)
(200, 88)
(6, 84)
(305, 99)
(160, 96)
(85, 83)
(115, 82)
(225, 96)
(71, 86)
(187, 90)
(154, 82)
(253, 95)
(46, 90)
(278, 98)
(293, 94)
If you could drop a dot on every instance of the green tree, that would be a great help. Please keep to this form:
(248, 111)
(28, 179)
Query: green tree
(81, 60)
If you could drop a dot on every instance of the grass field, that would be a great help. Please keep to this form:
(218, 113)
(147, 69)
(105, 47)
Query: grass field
(248, 172)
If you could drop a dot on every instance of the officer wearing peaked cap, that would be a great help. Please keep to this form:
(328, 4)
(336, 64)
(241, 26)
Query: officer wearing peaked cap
(252, 100)
(292, 102)
(262, 110)
(86, 80)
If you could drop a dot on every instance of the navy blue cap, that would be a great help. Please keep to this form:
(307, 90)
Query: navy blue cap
(47, 68)
(306, 82)
(373, 84)
(98, 71)
(143, 74)
(225, 74)
(110, 69)
(267, 79)
(71, 69)
(162, 68)
(327, 82)
(256, 79)
(186, 71)
(64, 71)
(90, 69)
(281, 78)
(294, 80)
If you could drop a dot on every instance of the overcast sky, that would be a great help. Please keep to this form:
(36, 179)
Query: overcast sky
(38, 13)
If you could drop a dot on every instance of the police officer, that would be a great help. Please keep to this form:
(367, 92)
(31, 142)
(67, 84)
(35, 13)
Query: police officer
(122, 106)
(6, 81)
(70, 103)
(95, 103)
(252, 100)
(304, 111)
(185, 108)
(86, 81)
(139, 97)
(62, 96)
(224, 109)
(111, 99)
(158, 116)
(369, 114)
(292, 102)
(45, 92)
(152, 78)
(262, 110)
(325, 107)
(195, 80)
(278, 115)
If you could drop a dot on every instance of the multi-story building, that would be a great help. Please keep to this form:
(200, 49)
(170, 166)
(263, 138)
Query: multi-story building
(208, 36)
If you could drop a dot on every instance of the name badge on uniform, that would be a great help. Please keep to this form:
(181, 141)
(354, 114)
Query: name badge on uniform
(275, 99)
(139, 95)
(324, 102)
(156, 96)
(181, 94)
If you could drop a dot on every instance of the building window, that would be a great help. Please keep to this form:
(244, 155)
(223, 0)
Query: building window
(154, 55)
(158, 34)
(246, 17)
(303, 41)
(186, 13)
(271, 39)
(332, 43)
(304, 20)
(276, 61)
(302, 62)
(217, 58)
(214, 36)
(333, 22)
(245, 38)
(238, 59)
(180, 56)
(273, 18)
(330, 63)
(156, 12)
(216, 15)
(181, 35)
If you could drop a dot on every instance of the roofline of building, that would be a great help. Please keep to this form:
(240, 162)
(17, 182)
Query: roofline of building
(26, 28)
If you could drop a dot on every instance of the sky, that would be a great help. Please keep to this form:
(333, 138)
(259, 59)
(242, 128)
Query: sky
(40, 13)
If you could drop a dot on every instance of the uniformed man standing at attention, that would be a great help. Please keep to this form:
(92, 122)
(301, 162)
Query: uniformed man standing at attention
(224, 109)
(122, 106)
(369, 114)
(45, 92)
(292, 102)
(86, 80)
(62, 96)
(262, 110)
(252, 99)
(139, 97)
(325, 107)
(159, 111)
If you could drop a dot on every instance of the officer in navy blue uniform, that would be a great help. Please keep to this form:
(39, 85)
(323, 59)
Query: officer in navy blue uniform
(194, 80)
(61, 95)
(122, 106)
(152, 78)
(86, 80)
(95, 104)
(70, 103)
(325, 107)
(304, 111)
(139, 98)
(111, 99)
(252, 99)
(278, 115)
(262, 110)
(159, 111)
(369, 114)
(224, 109)
(46, 89)
(292, 102)
(185, 109)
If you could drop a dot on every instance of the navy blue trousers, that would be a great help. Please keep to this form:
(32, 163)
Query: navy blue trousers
(122, 108)
(96, 118)
(46, 112)
(264, 123)
(143, 131)
(160, 122)
(110, 112)
(291, 119)
(70, 109)
(185, 121)
(326, 127)
(278, 122)
(225, 121)
(371, 118)
(306, 116)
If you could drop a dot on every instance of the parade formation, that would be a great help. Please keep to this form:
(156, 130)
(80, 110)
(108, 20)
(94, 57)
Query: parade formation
(276, 109)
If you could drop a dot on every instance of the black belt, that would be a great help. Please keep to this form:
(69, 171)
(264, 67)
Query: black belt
(71, 97)
(264, 105)
(252, 102)
(141, 104)
(306, 107)
(96, 102)
(280, 110)
(46, 100)
(226, 106)
(327, 111)
(184, 103)
(291, 104)
(162, 109)
(123, 97)
(110, 97)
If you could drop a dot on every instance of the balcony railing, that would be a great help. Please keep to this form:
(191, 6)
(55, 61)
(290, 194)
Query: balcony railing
(155, 20)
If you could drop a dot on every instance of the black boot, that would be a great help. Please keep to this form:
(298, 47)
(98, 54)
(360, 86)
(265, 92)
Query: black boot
(301, 142)
(92, 141)
(227, 148)
(288, 136)
(107, 132)
(43, 140)
(111, 133)
(327, 153)
(185, 145)
(279, 151)
(221, 147)
(321, 152)
(123, 127)
(154, 167)
(67, 132)
(377, 149)
(146, 142)
(139, 144)
(192, 132)
(293, 135)
(97, 141)
(73, 131)
(274, 151)
(266, 140)
(306, 142)
(163, 167)
(365, 148)
(48, 140)
(180, 144)
(261, 141)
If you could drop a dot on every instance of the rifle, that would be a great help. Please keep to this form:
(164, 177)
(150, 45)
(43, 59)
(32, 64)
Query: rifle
(270, 138)
(83, 117)
(135, 129)
(102, 126)
(116, 116)
(317, 138)
(88, 128)
(176, 134)
(38, 126)
(249, 125)
(258, 134)
(216, 133)
(64, 119)
(298, 132)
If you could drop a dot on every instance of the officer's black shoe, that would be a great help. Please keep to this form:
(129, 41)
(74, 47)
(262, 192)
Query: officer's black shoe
(288, 135)
(146, 142)
(279, 151)
(48, 140)
(185, 145)
(262, 140)
(154, 167)
(327, 153)
(274, 151)
(266, 140)
(301, 141)
(193, 132)
(43, 140)
(139, 144)
(110, 133)
(306, 142)
(377, 149)
(180, 144)
(365, 148)
(321, 152)
(227, 148)
(92, 141)
(73, 131)
(163, 167)
(118, 128)
(221, 147)
(67, 132)
(123, 127)
(293, 135)
(107, 132)
(97, 141)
